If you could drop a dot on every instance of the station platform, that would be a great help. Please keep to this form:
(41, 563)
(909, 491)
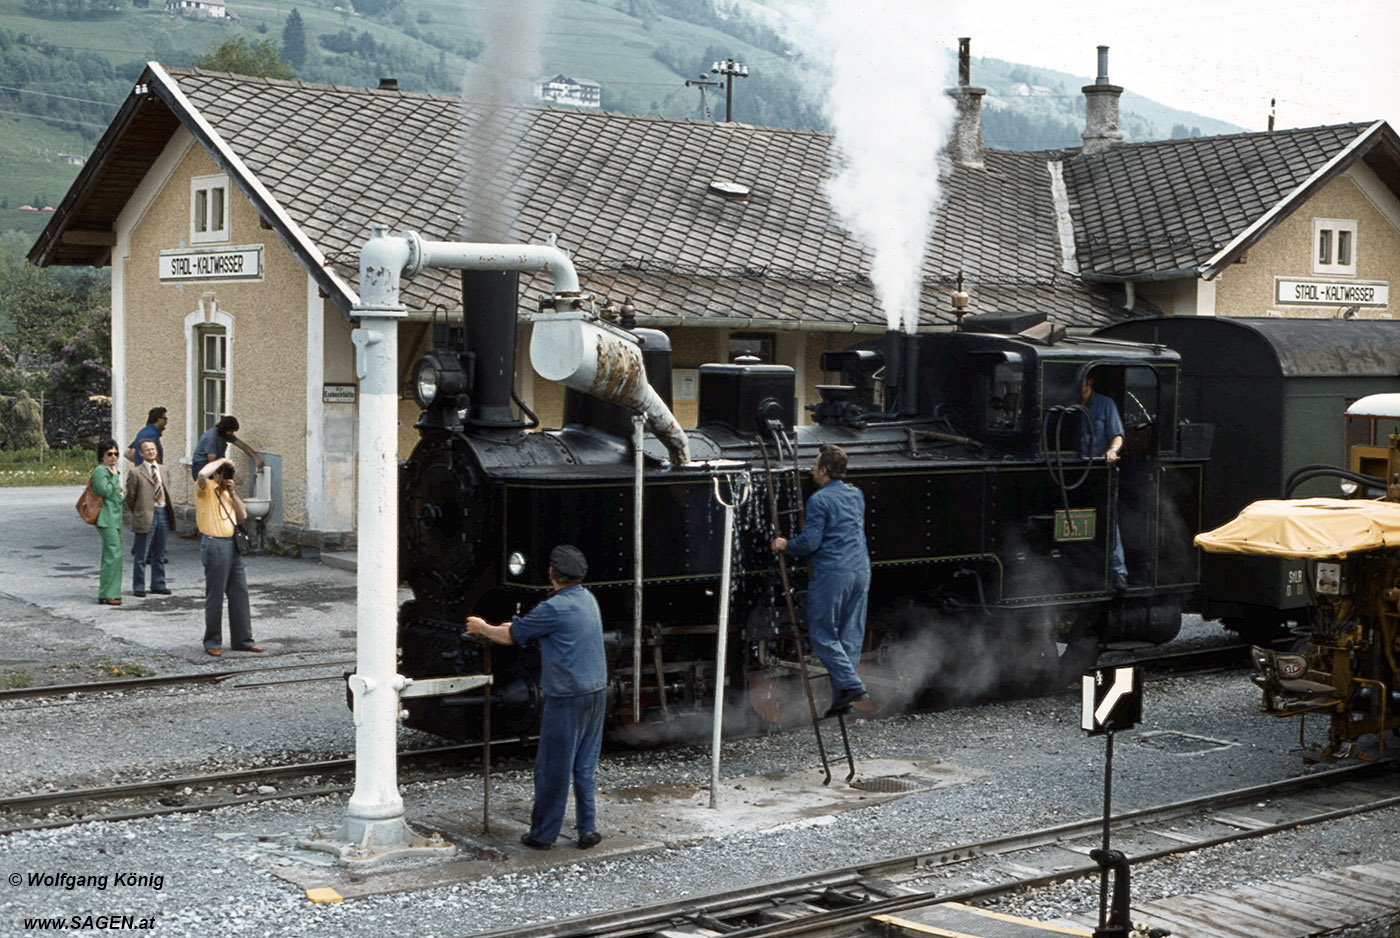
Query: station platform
(1316, 904)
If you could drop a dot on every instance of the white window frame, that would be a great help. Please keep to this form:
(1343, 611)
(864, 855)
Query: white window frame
(1333, 229)
(205, 192)
(195, 324)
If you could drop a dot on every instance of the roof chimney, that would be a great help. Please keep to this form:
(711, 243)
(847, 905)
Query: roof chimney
(966, 146)
(388, 84)
(1101, 110)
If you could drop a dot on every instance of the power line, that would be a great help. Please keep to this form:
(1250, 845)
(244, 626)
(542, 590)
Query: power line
(49, 94)
(51, 118)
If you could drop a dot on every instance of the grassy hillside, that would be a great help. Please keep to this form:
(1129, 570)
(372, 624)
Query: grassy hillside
(63, 77)
(31, 170)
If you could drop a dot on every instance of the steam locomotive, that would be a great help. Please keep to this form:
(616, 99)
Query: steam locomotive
(989, 531)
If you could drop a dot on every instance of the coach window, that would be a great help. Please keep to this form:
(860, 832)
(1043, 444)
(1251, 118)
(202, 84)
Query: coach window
(209, 209)
(1334, 246)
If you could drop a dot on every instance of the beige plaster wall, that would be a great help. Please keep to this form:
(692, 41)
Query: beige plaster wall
(267, 354)
(1172, 297)
(1247, 289)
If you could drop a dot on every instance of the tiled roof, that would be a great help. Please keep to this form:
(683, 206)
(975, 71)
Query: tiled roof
(629, 198)
(1171, 205)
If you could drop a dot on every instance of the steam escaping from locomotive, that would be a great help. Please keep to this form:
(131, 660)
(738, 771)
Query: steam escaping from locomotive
(883, 81)
(500, 77)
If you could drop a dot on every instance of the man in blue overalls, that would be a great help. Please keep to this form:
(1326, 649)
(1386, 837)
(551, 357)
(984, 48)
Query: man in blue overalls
(833, 540)
(573, 679)
(1103, 436)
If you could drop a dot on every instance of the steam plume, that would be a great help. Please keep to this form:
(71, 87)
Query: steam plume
(884, 72)
(501, 77)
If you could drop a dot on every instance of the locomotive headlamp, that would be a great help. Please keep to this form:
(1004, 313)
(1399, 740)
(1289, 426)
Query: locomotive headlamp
(438, 376)
(1348, 488)
(515, 563)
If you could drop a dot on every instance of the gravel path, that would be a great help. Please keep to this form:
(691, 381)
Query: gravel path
(1200, 734)
(1028, 763)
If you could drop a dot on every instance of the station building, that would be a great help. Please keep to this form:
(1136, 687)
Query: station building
(231, 210)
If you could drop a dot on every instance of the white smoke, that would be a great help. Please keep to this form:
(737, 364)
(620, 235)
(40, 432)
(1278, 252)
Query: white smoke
(502, 76)
(884, 68)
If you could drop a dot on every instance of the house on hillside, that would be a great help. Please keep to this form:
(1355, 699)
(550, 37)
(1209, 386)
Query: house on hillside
(574, 92)
(231, 210)
(213, 9)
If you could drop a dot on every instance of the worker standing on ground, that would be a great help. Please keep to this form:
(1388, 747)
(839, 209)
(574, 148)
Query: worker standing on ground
(833, 540)
(574, 680)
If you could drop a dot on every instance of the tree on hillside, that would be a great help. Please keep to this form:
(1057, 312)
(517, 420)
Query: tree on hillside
(35, 302)
(294, 40)
(55, 334)
(259, 59)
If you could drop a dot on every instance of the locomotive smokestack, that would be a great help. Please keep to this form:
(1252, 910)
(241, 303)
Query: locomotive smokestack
(901, 352)
(489, 298)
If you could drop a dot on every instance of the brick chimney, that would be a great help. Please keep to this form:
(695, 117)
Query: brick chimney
(966, 145)
(1101, 110)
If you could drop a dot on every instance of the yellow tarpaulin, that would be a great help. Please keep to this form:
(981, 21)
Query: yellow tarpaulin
(1307, 527)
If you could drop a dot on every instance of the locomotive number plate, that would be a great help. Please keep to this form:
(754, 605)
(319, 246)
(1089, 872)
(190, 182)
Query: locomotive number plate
(1077, 524)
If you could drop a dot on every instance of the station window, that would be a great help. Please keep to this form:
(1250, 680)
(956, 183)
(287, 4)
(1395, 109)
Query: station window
(1334, 246)
(213, 375)
(761, 345)
(209, 209)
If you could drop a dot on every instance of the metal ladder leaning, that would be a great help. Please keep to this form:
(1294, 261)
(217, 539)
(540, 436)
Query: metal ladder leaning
(786, 523)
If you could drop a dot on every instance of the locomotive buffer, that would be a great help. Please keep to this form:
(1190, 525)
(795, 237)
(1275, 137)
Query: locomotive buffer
(1111, 700)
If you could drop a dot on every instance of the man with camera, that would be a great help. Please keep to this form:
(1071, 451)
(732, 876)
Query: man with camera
(218, 509)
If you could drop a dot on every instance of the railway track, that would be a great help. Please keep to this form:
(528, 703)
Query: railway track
(166, 796)
(1234, 654)
(845, 901)
(228, 678)
(186, 794)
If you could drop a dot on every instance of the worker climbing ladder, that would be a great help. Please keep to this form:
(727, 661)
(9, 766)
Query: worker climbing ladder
(787, 473)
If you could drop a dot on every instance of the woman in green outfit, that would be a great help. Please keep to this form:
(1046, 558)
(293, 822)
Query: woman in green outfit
(106, 483)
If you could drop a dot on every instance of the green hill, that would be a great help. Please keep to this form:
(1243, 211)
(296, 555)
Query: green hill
(66, 66)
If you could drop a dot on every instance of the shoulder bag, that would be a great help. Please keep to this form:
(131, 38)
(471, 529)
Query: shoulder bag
(89, 505)
(240, 537)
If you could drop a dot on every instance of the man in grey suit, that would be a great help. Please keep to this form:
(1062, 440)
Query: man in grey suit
(149, 502)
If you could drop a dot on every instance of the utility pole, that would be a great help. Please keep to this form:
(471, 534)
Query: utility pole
(733, 70)
(702, 83)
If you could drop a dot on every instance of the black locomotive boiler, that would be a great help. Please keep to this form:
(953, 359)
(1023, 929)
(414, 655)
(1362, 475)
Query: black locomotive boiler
(989, 533)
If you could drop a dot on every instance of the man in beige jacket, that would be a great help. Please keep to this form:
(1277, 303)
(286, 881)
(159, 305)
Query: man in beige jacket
(149, 501)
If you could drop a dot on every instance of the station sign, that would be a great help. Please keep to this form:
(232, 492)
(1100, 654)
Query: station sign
(1295, 291)
(338, 393)
(1111, 699)
(230, 263)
